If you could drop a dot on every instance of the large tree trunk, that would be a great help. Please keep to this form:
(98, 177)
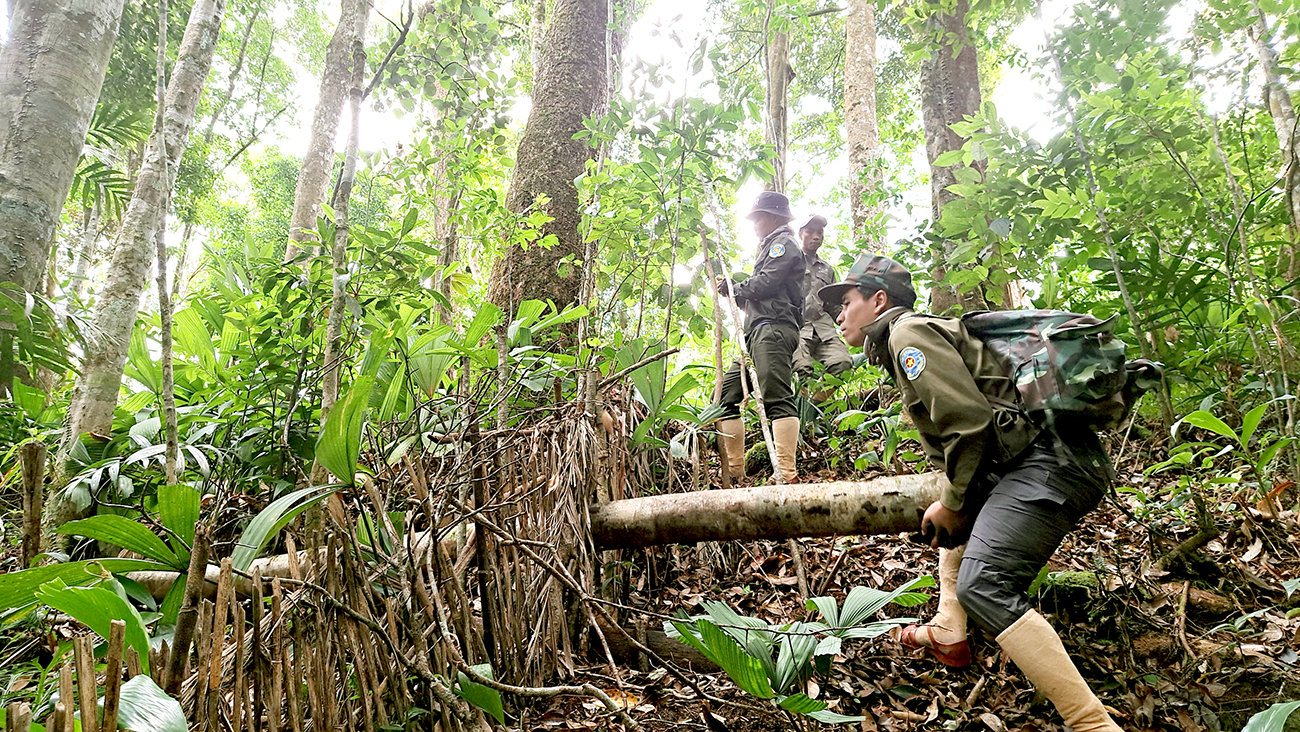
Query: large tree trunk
(950, 90)
(888, 505)
(51, 71)
(119, 302)
(314, 176)
(568, 87)
(860, 127)
(776, 45)
(1278, 100)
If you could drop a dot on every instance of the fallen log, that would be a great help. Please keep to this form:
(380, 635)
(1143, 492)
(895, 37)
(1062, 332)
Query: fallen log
(886, 505)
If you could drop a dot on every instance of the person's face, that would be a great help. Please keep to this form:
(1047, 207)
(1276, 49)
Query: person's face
(765, 223)
(859, 311)
(812, 239)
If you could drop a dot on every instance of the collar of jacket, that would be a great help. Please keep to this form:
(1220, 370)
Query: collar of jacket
(783, 229)
(877, 344)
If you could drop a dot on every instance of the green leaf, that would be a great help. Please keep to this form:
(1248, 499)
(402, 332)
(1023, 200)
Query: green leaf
(171, 604)
(122, 531)
(1251, 421)
(800, 704)
(1272, 719)
(1207, 421)
(18, 589)
(863, 602)
(97, 608)
(828, 717)
(144, 707)
(1267, 454)
(794, 654)
(949, 158)
(339, 443)
(483, 697)
(827, 607)
(745, 670)
(271, 519)
(178, 510)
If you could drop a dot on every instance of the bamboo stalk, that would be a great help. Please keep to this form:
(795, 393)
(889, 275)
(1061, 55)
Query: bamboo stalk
(113, 674)
(133, 667)
(86, 686)
(64, 718)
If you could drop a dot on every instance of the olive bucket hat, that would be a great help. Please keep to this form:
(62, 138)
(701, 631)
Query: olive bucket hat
(868, 274)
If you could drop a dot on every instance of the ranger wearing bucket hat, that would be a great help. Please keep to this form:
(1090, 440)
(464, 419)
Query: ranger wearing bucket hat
(772, 299)
(1014, 490)
(819, 339)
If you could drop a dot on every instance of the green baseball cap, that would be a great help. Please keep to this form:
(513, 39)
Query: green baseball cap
(868, 274)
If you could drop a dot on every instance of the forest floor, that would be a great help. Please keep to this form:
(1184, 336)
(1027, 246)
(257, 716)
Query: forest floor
(1202, 647)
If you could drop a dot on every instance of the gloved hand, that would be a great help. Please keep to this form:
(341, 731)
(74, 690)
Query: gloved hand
(943, 527)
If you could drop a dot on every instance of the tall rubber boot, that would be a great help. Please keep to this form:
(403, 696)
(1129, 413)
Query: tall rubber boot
(785, 437)
(732, 433)
(944, 637)
(1037, 650)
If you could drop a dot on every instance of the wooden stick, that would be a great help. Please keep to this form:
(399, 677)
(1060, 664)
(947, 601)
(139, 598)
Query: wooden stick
(87, 699)
(184, 635)
(202, 642)
(33, 456)
(19, 717)
(240, 697)
(113, 674)
(64, 721)
(260, 677)
(133, 667)
(219, 614)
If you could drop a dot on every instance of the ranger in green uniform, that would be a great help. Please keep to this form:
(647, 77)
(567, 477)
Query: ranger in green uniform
(772, 299)
(819, 339)
(1015, 490)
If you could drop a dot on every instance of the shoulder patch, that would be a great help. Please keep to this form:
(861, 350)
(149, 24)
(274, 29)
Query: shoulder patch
(912, 361)
(776, 250)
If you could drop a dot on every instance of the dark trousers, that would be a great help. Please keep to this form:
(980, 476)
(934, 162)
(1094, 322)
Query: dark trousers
(771, 346)
(1039, 498)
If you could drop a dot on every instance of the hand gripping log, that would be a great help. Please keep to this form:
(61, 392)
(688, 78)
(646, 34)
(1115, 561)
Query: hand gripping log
(885, 505)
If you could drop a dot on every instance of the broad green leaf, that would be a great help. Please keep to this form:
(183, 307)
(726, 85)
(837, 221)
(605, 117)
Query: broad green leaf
(687, 636)
(483, 697)
(794, 653)
(122, 531)
(1250, 422)
(1272, 719)
(829, 646)
(339, 443)
(144, 707)
(97, 608)
(863, 602)
(178, 510)
(271, 519)
(827, 607)
(171, 604)
(18, 589)
(829, 717)
(1207, 421)
(800, 704)
(488, 315)
(1267, 454)
(745, 670)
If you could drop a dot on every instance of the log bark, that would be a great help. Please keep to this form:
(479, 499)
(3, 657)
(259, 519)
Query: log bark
(776, 50)
(51, 70)
(886, 505)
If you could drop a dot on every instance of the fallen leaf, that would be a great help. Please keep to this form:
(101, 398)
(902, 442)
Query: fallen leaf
(993, 721)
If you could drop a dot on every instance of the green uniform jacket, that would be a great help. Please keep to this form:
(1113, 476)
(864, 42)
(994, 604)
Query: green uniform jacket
(957, 392)
(817, 321)
(774, 293)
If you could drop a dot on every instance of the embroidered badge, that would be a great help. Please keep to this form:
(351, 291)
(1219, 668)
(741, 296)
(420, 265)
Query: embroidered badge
(912, 361)
(776, 250)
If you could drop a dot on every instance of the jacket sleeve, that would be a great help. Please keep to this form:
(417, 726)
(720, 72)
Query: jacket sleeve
(952, 415)
(772, 274)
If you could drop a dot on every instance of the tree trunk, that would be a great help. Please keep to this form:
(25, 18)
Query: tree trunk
(950, 90)
(887, 505)
(568, 87)
(776, 45)
(314, 176)
(1278, 101)
(860, 127)
(119, 302)
(86, 253)
(51, 71)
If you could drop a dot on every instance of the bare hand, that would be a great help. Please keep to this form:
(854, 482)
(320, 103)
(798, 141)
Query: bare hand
(943, 526)
(723, 290)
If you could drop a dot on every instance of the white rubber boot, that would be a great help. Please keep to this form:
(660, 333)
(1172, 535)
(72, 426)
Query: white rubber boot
(1037, 650)
(785, 437)
(732, 434)
(945, 635)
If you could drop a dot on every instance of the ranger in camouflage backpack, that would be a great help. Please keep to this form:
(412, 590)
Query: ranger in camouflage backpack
(1005, 404)
(1066, 364)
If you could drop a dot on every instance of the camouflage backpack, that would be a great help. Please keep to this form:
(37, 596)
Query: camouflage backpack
(1065, 364)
